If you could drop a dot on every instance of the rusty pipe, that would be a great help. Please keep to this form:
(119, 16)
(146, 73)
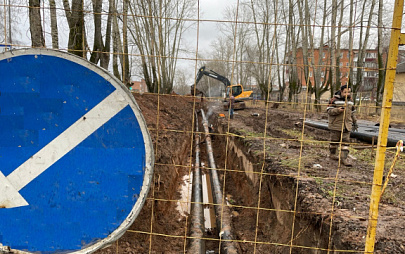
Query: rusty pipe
(197, 244)
(222, 211)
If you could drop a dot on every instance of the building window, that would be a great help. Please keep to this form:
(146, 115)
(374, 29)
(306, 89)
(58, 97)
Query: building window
(323, 54)
(310, 74)
(370, 74)
(341, 64)
(371, 55)
(347, 64)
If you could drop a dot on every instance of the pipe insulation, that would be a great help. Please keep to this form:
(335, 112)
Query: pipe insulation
(365, 132)
(197, 243)
(222, 211)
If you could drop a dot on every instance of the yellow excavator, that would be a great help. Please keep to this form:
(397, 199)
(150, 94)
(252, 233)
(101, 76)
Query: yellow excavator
(240, 94)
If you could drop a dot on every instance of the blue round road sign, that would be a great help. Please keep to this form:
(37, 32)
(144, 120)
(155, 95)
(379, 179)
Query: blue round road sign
(76, 158)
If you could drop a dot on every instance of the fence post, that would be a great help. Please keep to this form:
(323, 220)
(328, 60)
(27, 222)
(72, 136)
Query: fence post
(396, 39)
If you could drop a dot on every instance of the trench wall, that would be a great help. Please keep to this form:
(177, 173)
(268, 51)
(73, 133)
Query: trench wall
(274, 223)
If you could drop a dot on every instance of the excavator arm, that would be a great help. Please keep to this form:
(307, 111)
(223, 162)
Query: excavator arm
(235, 90)
(201, 72)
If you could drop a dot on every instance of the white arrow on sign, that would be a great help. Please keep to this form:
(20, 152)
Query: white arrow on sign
(56, 149)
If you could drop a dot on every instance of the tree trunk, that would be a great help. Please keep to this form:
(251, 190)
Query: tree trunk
(105, 56)
(37, 36)
(381, 65)
(304, 21)
(126, 75)
(294, 81)
(333, 41)
(116, 43)
(98, 40)
(338, 51)
(75, 18)
(351, 55)
(362, 50)
(54, 25)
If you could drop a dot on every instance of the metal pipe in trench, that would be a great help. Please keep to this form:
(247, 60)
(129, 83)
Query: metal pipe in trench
(197, 244)
(222, 211)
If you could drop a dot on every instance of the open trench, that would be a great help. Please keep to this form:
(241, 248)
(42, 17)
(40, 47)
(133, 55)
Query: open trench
(264, 230)
(268, 229)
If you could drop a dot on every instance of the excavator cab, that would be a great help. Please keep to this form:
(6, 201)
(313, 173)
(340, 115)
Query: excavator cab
(236, 90)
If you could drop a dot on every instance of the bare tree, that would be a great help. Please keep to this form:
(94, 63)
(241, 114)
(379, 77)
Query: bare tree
(320, 86)
(3, 32)
(37, 36)
(117, 45)
(238, 33)
(363, 45)
(333, 42)
(157, 30)
(181, 84)
(294, 81)
(222, 51)
(75, 19)
(263, 48)
(287, 65)
(126, 75)
(101, 49)
(381, 64)
(54, 24)
(338, 48)
(10, 25)
(98, 39)
(351, 25)
(304, 15)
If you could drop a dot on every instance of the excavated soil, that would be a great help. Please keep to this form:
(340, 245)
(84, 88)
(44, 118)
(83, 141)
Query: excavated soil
(270, 165)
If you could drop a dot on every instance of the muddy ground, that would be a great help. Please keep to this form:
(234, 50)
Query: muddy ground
(284, 192)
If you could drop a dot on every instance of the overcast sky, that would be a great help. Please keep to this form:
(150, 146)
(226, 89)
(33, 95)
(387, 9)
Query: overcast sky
(211, 11)
(208, 31)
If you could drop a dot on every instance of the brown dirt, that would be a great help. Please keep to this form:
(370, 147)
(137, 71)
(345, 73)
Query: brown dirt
(262, 182)
(287, 168)
(169, 120)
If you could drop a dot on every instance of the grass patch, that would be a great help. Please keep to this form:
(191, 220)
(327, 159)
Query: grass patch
(390, 197)
(297, 134)
(293, 161)
(364, 155)
(250, 134)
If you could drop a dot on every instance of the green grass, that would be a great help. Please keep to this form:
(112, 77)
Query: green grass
(250, 134)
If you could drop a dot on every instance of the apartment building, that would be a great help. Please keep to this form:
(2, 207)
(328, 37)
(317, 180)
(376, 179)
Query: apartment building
(346, 60)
